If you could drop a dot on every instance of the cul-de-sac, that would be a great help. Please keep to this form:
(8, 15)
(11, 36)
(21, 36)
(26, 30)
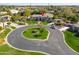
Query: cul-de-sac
(39, 30)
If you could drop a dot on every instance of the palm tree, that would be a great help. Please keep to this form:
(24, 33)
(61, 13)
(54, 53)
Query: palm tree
(28, 13)
(40, 24)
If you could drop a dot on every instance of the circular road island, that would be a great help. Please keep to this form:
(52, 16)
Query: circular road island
(36, 33)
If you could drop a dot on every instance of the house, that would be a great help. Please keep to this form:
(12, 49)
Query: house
(61, 28)
(74, 27)
(6, 18)
(57, 20)
(50, 12)
(48, 15)
(39, 17)
(13, 11)
(45, 15)
(3, 12)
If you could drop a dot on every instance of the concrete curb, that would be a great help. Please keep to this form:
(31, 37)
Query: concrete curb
(36, 39)
(67, 44)
(22, 49)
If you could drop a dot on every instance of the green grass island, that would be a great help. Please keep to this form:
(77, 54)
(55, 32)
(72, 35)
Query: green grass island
(36, 33)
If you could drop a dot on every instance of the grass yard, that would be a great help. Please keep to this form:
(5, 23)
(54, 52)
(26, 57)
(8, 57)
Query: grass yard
(36, 33)
(45, 23)
(31, 22)
(72, 40)
(20, 23)
(6, 50)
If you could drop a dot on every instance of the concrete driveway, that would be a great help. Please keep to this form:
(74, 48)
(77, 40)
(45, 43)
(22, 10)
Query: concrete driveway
(54, 45)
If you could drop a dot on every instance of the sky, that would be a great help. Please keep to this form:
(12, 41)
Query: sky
(39, 2)
(24, 4)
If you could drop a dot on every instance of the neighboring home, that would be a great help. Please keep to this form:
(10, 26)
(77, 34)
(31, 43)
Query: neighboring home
(63, 28)
(50, 12)
(48, 15)
(74, 27)
(77, 10)
(13, 11)
(36, 15)
(3, 12)
(6, 18)
(57, 20)
(45, 17)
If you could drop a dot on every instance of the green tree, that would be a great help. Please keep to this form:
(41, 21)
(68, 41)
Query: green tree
(36, 11)
(9, 23)
(55, 17)
(1, 28)
(73, 18)
(28, 13)
(43, 10)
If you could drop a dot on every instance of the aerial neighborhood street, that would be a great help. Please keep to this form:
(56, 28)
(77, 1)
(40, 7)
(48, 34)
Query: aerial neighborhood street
(39, 30)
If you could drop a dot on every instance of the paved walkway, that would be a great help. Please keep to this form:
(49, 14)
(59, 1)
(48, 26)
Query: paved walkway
(54, 45)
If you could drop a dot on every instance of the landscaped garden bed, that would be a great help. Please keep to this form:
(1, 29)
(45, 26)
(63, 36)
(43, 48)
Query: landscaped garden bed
(13, 27)
(36, 33)
(20, 23)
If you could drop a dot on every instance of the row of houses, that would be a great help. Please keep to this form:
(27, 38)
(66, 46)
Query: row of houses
(74, 27)
(36, 16)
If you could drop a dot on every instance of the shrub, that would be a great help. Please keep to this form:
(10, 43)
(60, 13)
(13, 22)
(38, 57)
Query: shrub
(8, 23)
(37, 35)
(13, 27)
(20, 23)
(1, 28)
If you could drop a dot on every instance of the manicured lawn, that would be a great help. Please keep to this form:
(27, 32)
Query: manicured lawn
(6, 50)
(36, 33)
(31, 22)
(20, 23)
(72, 40)
(45, 23)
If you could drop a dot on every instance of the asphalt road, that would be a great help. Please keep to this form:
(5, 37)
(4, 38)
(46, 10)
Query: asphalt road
(54, 45)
